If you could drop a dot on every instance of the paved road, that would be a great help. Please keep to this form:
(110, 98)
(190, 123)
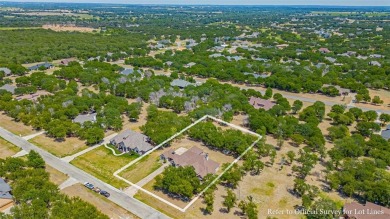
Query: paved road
(119, 197)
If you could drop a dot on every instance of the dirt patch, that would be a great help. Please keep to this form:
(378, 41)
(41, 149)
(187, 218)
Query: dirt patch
(59, 148)
(17, 128)
(101, 203)
(7, 149)
(135, 126)
(58, 28)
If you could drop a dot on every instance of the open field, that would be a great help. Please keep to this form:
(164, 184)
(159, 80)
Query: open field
(56, 176)
(101, 203)
(18, 28)
(7, 149)
(102, 163)
(15, 127)
(55, 13)
(60, 149)
(58, 28)
(9, 9)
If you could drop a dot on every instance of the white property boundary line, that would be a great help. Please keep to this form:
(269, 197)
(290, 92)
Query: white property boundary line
(116, 173)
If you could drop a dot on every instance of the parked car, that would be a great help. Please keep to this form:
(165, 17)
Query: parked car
(88, 185)
(96, 189)
(104, 193)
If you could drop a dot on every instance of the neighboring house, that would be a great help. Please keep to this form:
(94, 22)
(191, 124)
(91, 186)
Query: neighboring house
(9, 88)
(130, 141)
(362, 57)
(129, 71)
(189, 65)
(257, 75)
(375, 63)
(82, 118)
(376, 56)
(6, 199)
(369, 210)
(189, 46)
(261, 59)
(386, 133)
(194, 157)
(97, 58)
(235, 58)
(215, 55)
(282, 46)
(6, 71)
(258, 103)
(67, 61)
(324, 50)
(5, 190)
(168, 63)
(330, 59)
(180, 83)
(46, 65)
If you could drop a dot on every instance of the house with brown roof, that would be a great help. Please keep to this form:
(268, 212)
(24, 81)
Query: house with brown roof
(369, 210)
(324, 50)
(258, 103)
(67, 61)
(131, 141)
(194, 157)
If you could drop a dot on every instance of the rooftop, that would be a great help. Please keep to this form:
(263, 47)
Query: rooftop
(258, 103)
(360, 211)
(194, 157)
(82, 118)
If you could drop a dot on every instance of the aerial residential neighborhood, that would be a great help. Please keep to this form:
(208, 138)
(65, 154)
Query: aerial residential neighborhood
(215, 109)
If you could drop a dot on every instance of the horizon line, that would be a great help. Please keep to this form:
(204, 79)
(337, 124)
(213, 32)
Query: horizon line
(171, 4)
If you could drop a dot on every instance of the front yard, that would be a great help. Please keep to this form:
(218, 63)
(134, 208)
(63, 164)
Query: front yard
(101, 163)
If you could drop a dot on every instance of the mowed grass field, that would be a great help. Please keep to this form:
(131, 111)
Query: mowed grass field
(7, 149)
(101, 163)
(59, 148)
(17, 128)
(142, 168)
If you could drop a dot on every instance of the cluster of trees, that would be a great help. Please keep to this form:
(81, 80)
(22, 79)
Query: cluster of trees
(47, 45)
(362, 179)
(181, 181)
(162, 124)
(229, 141)
(41, 81)
(34, 194)
(55, 113)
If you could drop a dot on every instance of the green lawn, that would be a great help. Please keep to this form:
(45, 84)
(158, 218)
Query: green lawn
(148, 165)
(102, 164)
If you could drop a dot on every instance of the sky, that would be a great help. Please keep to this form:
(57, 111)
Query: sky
(231, 2)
